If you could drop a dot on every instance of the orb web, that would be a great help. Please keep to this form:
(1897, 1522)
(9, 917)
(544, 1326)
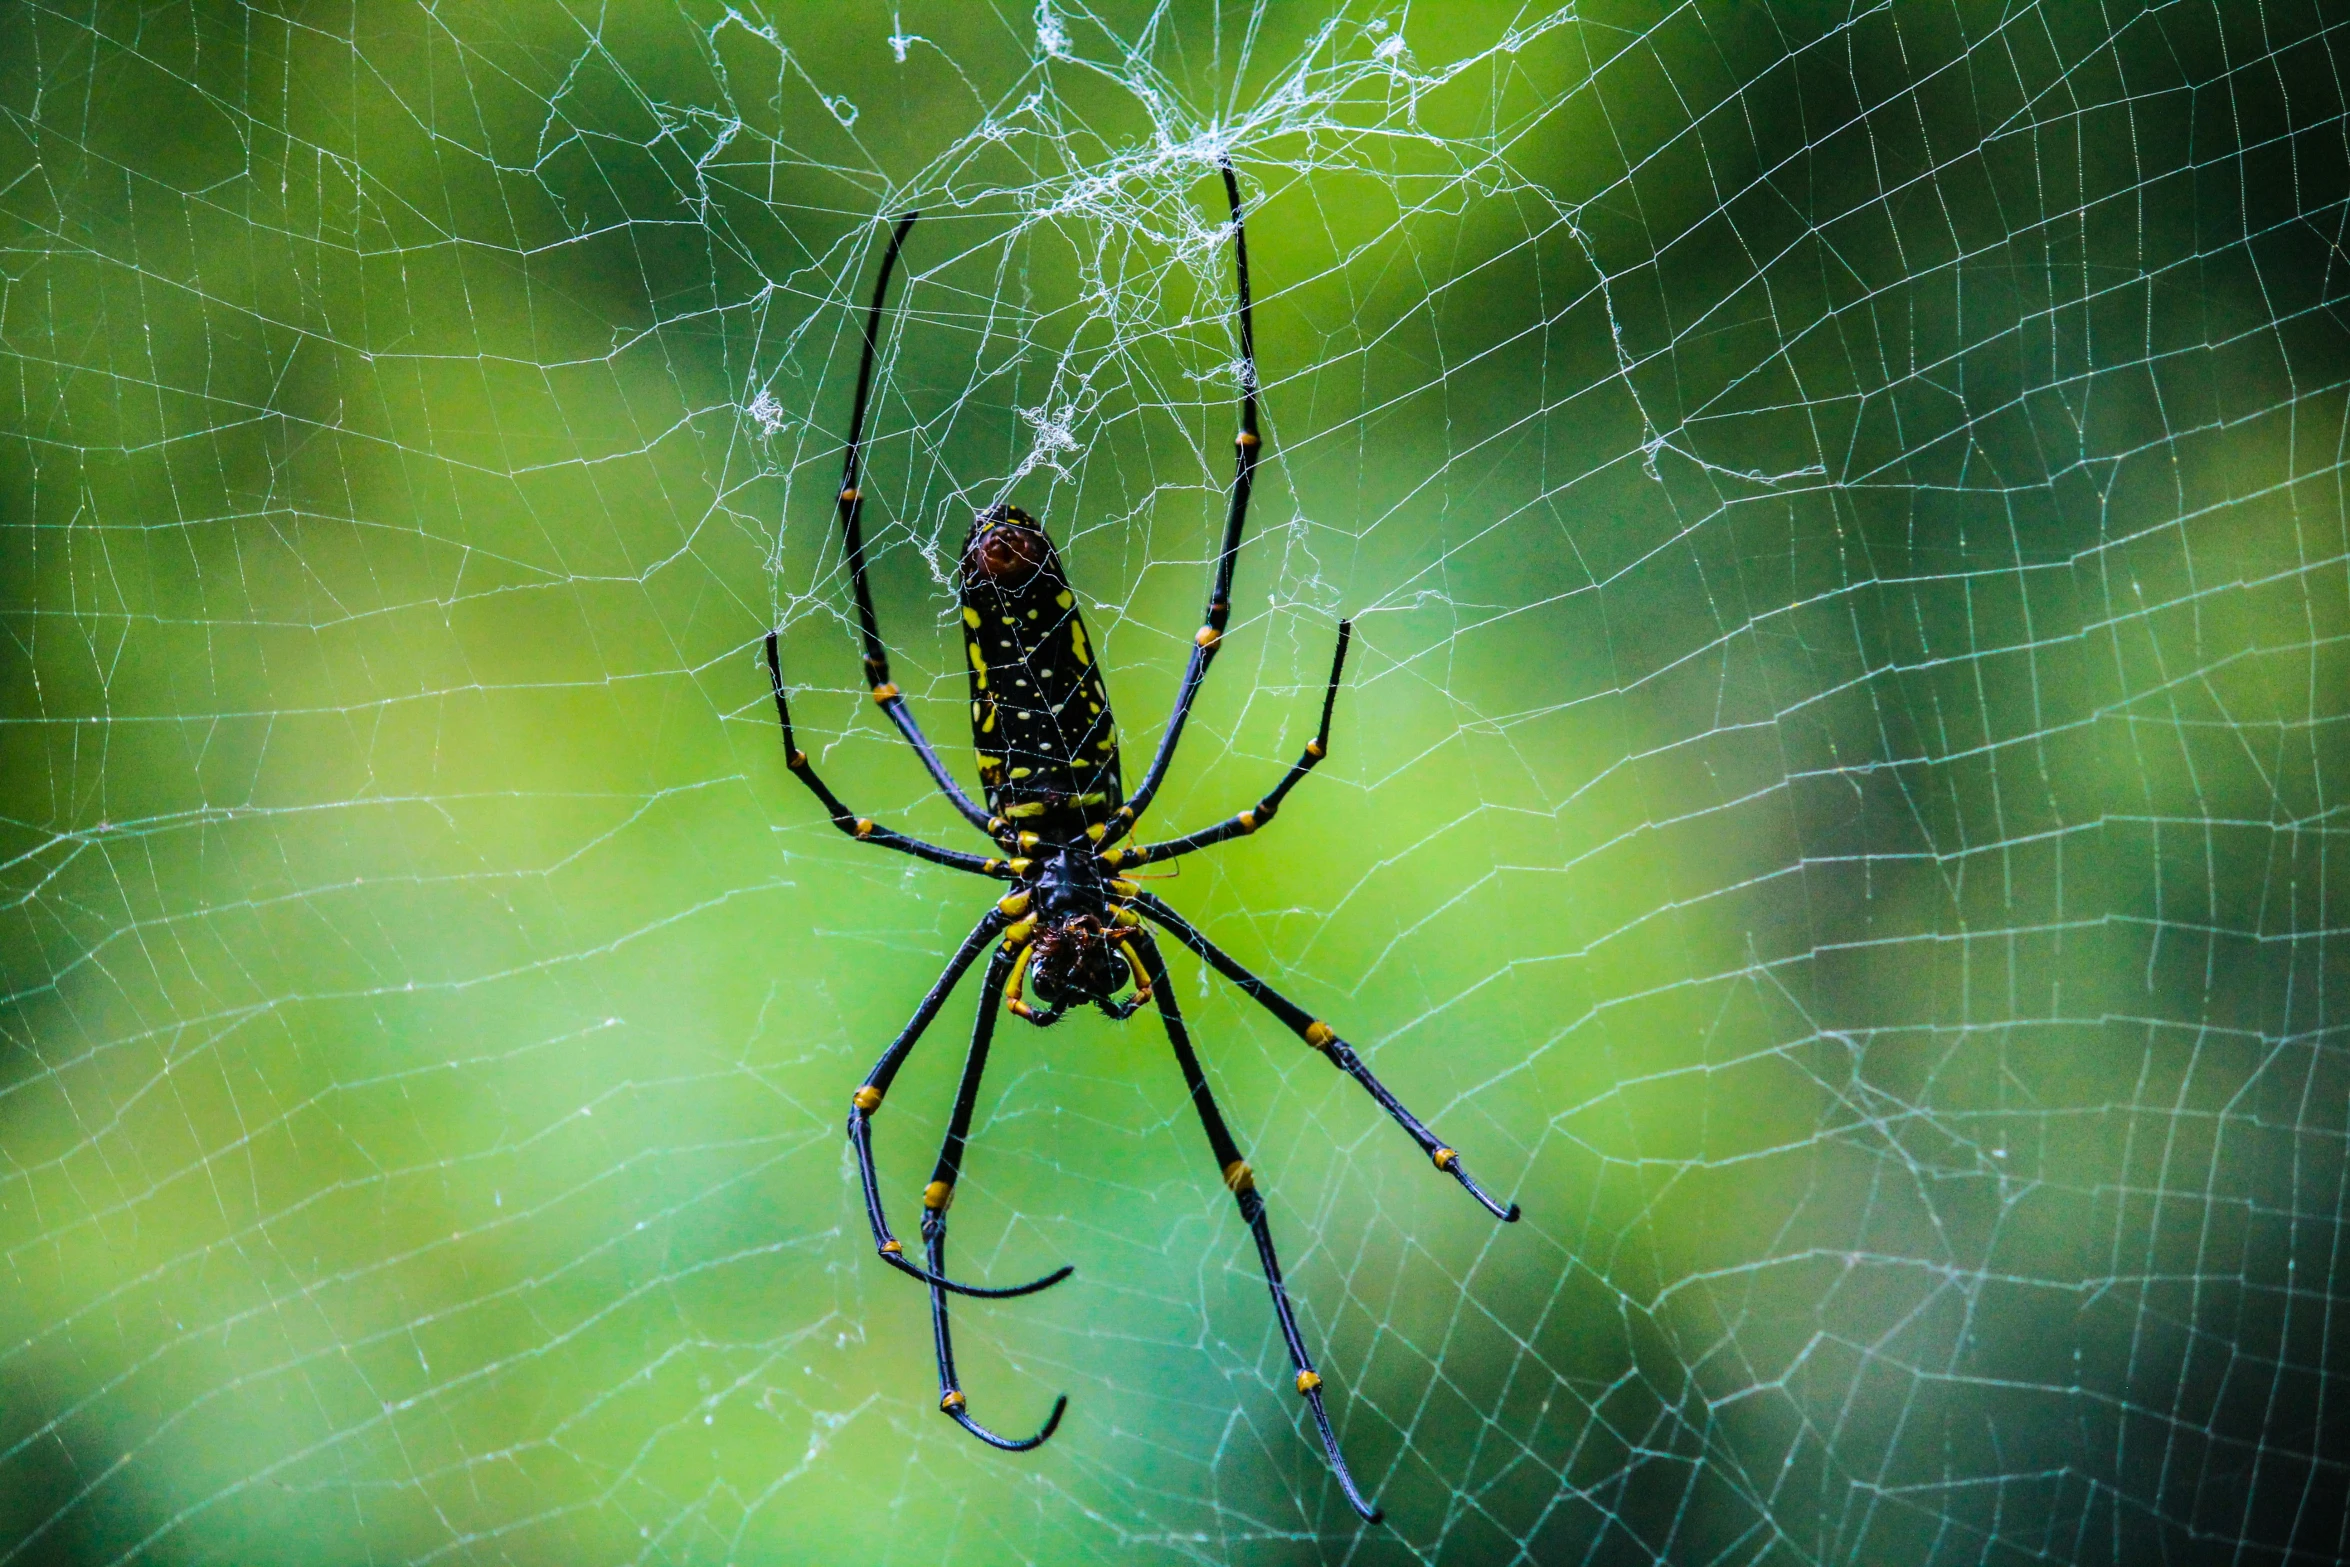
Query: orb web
(1842, 514)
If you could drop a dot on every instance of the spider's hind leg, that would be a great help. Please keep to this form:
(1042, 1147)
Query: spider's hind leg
(1246, 449)
(850, 504)
(1241, 1180)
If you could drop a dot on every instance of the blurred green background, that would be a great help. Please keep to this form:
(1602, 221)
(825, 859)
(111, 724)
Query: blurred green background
(1834, 805)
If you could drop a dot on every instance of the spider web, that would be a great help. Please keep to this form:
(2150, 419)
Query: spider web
(1843, 513)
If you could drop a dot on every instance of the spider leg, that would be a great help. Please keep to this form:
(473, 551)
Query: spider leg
(851, 504)
(1242, 1183)
(1248, 443)
(940, 1195)
(860, 827)
(1325, 1039)
(867, 1100)
(1248, 821)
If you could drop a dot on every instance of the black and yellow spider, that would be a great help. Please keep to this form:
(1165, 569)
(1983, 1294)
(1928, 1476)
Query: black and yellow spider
(1072, 928)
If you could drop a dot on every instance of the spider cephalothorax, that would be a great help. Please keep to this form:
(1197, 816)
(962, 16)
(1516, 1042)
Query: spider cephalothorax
(1077, 943)
(1071, 928)
(1078, 960)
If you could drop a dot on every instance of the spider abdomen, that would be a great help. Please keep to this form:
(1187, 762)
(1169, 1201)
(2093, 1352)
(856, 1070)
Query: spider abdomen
(1040, 716)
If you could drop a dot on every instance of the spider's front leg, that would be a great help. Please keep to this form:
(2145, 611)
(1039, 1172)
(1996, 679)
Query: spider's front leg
(867, 1100)
(1324, 1038)
(1241, 1181)
(1247, 821)
(939, 1195)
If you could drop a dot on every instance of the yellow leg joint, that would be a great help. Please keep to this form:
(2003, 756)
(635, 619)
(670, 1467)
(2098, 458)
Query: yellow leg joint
(1017, 867)
(864, 826)
(867, 1099)
(1208, 637)
(890, 1248)
(1125, 917)
(938, 1196)
(885, 692)
(797, 761)
(1019, 1008)
(1307, 1382)
(1238, 1177)
(1316, 750)
(1113, 858)
(1445, 1158)
(1319, 1034)
(1142, 981)
(1122, 888)
(1016, 936)
(1247, 820)
(1094, 833)
(1013, 904)
(852, 494)
(1029, 840)
(1246, 438)
(951, 1401)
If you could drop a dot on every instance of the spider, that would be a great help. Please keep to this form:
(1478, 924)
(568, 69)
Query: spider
(1072, 930)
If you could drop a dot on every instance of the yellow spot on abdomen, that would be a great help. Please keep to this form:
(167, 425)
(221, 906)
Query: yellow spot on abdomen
(1077, 642)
